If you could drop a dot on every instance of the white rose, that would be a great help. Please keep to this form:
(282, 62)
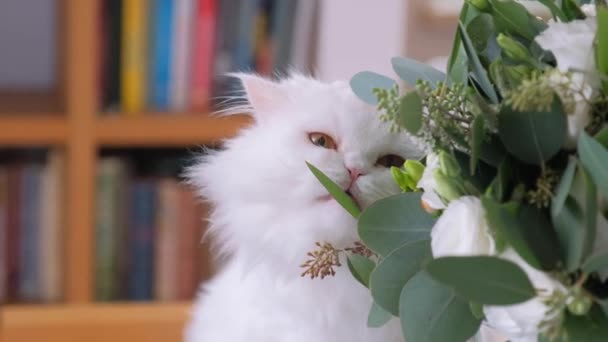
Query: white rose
(428, 184)
(462, 230)
(520, 322)
(572, 46)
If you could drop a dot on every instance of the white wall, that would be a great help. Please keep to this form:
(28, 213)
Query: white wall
(356, 35)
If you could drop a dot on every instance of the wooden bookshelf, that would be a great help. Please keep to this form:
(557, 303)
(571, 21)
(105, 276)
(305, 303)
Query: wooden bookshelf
(69, 120)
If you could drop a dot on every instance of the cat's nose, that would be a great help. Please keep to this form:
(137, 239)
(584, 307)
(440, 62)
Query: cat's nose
(354, 174)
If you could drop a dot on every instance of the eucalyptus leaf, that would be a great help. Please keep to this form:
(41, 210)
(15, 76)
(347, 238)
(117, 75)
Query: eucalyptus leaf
(378, 316)
(590, 328)
(483, 279)
(410, 112)
(570, 229)
(364, 83)
(393, 221)
(533, 137)
(391, 274)
(512, 17)
(500, 184)
(527, 230)
(477, 310)
(411, 71)
(360, 267)
(594, 158)
(601, 49)
(602, 137)
(336, 191)
(458, 62)
(563, 188)
(432, 312)
(596, 262)
(479, 71)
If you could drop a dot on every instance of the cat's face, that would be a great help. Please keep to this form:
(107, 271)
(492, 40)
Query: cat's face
(262, 173)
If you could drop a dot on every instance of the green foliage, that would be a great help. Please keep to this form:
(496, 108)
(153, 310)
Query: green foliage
(432, 312)
(395, 270)
(601, 49)
(411, 71)
(336, 191)
(360, 267)
(479, 73)
(391, 222)
(594, 158)
(410, 109)
(511, 17)
(378, 316)
(533, 137)
(483, 279)
(596, 262)
(364, 83)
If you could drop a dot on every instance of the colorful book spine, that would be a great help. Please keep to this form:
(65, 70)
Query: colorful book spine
(188, 244)
(182, 53)
(3, 232)
(29, 242)
(111, 53)
(51, 230)
(13, 233)
(160, 42)
(167, 238)
(243, 54)
(203, 53)
(134, 56)
(283, 25)
(142, 223)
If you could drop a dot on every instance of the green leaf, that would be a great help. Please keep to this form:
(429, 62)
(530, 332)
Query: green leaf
(483, 279)
(563, 188)
(378, 316)
(477, 310)
(480, 29)
(336, 191)
(590, 328)
(391, 222)
(596, 262)
(555, 10)
(478, 70)
(572, 11)
(594, 158)
(364, 83)
(601, 49)
(527, 230)
(432, 312)
(571, 232)
(410, 111)
(360, 267)
(458, 63)
(604, 306)
(500, 184)
(476, 141)
(391, 274)
(602, 137)
(411, 71)
(511, 17)
(533, 137)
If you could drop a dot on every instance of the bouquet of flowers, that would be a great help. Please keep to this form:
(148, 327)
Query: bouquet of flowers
(503, 224)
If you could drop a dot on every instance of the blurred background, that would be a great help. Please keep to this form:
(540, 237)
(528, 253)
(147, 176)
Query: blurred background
(103, 103)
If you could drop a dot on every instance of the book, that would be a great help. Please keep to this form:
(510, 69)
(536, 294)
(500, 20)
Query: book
(141, 244)
(52, 228)
(110, 72)
(13, 231)
(282, 30)
(134, 42)
(262, 44)
(243, 53)
(189, 241)
(304, 36)
(167, 239)
(204, 47)
(106, 280)
(3, 231)
(29, 242)
(161, 39)
(183, 15)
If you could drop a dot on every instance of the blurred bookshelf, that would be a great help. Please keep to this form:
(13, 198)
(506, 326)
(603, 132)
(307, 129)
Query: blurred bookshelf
(83, 125)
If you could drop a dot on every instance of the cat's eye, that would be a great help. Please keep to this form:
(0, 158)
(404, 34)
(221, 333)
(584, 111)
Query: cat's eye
(390, 160)
(322, 140)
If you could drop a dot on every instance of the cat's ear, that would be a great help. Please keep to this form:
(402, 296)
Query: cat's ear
(263, 95)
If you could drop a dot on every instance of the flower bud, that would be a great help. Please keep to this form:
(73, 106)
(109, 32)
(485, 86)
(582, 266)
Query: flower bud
(580, 303)
(414, 168)
(403, 179)
(481, 5)
(448, 165)
(512, 48)
(447, 187)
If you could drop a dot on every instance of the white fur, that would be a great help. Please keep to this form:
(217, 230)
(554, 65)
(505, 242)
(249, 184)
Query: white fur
(267, 215)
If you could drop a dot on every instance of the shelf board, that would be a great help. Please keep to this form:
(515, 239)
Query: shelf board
(166, 130)
(32, 130)
(94, 322)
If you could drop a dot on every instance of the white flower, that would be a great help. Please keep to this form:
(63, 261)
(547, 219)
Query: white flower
(428, 184)
(589, 10)
(520, 322)
(572, 45)
(462, 230)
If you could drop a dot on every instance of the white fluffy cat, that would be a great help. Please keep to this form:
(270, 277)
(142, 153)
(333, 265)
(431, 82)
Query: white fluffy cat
(269, 210)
